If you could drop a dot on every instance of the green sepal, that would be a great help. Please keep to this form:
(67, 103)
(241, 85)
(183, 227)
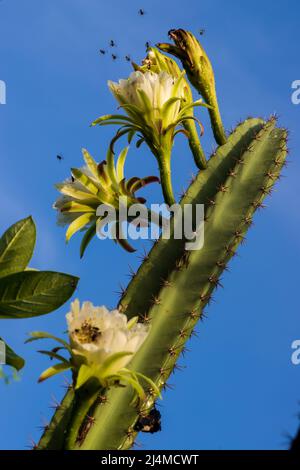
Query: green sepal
(85, 180)
(35, 335)
(79, 223)
(51, 371)
(68, 189)
(102, 372)
(54, 355)
(87, 237)
(90, 162)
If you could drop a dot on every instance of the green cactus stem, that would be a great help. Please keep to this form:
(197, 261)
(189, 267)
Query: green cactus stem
(166, 254)
(187, 289)
(172, 286)
(54, 434)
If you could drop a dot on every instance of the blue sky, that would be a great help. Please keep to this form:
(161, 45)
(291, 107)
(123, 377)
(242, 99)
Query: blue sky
(239, 389)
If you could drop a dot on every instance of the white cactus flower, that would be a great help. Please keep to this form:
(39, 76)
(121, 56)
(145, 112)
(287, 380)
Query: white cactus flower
(103, 339)
(92, 185)
(102, 343)
(149, 92)
(156, 108)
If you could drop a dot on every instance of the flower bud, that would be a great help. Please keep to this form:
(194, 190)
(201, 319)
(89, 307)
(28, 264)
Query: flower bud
(200, 73)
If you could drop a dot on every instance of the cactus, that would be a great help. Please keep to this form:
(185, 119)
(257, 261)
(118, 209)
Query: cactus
(173, 286)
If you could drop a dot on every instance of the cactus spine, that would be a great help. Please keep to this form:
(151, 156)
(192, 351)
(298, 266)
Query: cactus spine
(172, 286)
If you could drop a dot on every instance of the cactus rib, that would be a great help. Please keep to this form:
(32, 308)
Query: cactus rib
(54, 433)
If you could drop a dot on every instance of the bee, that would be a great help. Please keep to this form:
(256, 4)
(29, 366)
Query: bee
(150, 423)
(142, 12)
(147, 45)
(114, 57)
(127, 57)
(59, 157)
(112, 43)
(201, 32)
(102, 51)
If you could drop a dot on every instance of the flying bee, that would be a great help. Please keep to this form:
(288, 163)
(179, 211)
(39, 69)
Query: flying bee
(127, 57)
(59, 157)
(114, 57)
(201, 32)
(112, 43)
(102, 51)
(150, 423)
(142, 12)
(147, 45)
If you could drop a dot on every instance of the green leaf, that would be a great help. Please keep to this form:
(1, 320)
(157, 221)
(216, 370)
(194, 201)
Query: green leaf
(16, 247)
(11, 358)
(33, 293)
